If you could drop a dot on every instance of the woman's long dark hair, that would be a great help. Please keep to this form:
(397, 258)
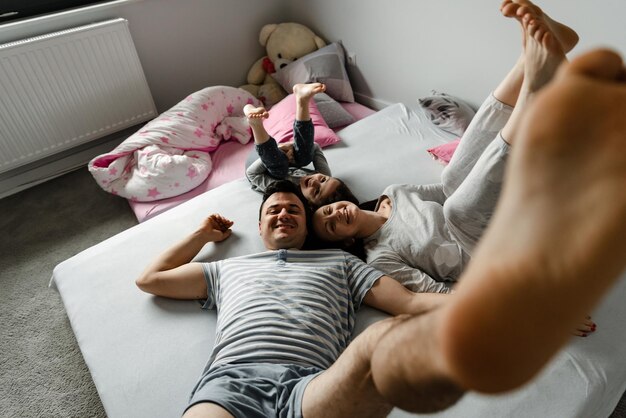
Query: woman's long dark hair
(357, 247)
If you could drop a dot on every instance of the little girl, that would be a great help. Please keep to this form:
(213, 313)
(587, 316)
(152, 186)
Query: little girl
(288, 161)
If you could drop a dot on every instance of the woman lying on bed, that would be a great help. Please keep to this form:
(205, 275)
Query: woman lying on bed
(423, 235)
(287, 161)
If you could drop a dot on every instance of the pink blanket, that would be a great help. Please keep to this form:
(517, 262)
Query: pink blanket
(170, 155)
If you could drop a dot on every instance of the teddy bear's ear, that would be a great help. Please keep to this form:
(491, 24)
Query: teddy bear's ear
(319, 42)
(266, 31)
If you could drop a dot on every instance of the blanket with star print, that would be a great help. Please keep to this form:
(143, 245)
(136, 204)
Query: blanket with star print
(170, 155)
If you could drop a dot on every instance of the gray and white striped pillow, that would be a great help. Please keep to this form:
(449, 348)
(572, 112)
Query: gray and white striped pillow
(447, 112)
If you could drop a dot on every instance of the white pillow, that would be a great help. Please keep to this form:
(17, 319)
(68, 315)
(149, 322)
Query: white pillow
(326, 65)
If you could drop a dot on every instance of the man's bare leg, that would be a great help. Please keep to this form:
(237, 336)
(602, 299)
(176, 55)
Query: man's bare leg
(346, 389)
(544, 261)
(569, 159)
(409, 380)
(490, 317)
(207, 410)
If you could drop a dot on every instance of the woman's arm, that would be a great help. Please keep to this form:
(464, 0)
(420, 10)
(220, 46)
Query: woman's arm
(412, 278)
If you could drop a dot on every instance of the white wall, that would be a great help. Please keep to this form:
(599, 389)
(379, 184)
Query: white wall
(183, 45)
(405, 48)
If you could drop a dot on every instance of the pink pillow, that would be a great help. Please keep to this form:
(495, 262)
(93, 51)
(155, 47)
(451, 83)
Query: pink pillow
(443, 153)
(280, 123)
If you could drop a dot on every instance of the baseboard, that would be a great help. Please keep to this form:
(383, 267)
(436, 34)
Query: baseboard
(371, 102)
(56, 165)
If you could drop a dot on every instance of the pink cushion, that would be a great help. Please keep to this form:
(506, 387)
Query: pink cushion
(443, 153)
(280, 123)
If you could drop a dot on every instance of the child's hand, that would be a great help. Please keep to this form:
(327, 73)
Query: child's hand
(288, 150)
(217, 227)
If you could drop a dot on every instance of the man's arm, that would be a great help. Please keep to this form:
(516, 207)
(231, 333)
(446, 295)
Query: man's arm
(173, 275)
(390, 296)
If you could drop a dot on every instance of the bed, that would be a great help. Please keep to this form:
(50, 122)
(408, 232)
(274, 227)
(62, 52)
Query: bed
(146, 353)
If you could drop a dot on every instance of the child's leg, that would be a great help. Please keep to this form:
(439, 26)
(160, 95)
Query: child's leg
(274, 160)
(303, 126)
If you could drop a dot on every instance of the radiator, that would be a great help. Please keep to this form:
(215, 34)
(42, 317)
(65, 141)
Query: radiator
(67, 88)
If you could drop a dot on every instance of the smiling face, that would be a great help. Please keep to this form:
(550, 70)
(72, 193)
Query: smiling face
(337, 221)
(318, 188)
(283, 222)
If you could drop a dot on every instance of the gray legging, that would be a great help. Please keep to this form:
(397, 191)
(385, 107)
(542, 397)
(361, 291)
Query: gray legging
(473, 179)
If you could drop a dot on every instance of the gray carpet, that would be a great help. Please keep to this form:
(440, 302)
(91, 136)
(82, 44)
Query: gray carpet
(42, 372)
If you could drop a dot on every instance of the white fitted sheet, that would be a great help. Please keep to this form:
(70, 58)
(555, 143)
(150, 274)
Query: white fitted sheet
(146, 353)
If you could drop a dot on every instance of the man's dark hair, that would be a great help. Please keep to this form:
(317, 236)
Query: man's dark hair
(285, 186)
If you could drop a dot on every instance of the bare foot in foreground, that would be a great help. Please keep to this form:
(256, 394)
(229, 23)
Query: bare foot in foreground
(558, 232)
(518, 9)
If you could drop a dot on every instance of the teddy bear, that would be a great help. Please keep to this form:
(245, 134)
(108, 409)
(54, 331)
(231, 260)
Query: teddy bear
(284, 43)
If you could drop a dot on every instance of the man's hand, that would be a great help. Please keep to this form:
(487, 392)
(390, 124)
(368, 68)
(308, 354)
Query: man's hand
(288, 150)
(217, 227)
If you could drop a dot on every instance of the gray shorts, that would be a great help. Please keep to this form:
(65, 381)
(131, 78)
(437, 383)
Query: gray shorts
(260, 390)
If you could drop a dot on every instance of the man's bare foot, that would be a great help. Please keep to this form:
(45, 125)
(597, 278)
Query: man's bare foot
(304, 92)
(518, 9)
(254, 114)
(558, 231)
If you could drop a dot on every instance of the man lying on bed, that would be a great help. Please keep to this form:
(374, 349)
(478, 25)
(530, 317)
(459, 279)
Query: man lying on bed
(285, 318)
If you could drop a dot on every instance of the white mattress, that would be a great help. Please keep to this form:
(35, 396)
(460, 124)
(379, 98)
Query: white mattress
(146, 353)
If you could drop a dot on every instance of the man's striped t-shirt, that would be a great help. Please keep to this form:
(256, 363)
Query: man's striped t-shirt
(286, 306)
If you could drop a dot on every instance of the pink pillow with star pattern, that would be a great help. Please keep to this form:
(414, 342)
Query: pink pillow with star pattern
(280, 123)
